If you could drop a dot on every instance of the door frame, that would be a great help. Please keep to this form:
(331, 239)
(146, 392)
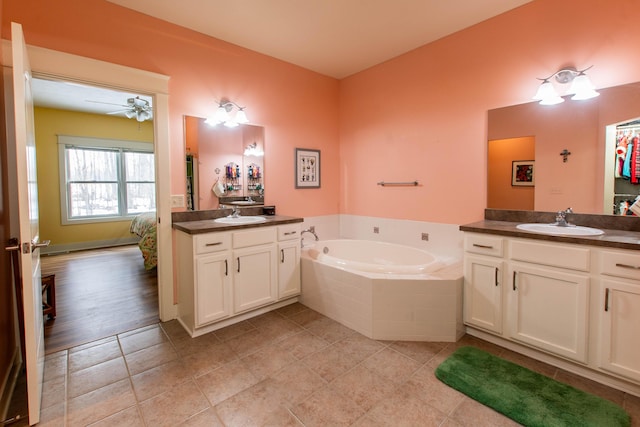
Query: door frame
(47, 63)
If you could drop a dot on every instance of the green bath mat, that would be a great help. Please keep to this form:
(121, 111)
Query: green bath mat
(525, 396)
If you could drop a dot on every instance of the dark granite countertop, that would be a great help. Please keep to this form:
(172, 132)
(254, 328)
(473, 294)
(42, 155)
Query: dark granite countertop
(208, 225)
(619, 233)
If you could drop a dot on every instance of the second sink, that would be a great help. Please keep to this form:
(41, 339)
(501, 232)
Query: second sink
(573, 230)
(240, 220)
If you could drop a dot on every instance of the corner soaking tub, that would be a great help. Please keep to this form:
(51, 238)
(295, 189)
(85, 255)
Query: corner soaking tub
(383, 290)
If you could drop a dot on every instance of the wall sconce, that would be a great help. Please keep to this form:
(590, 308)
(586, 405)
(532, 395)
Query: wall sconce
(223, 115)
(581, 87)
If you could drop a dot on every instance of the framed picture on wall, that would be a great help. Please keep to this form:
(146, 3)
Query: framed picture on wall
(523, 173)
(307, 168)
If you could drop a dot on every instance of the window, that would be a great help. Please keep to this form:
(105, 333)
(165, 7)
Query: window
(105, 180)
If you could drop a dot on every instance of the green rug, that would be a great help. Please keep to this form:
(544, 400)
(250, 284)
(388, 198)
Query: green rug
(525, 396)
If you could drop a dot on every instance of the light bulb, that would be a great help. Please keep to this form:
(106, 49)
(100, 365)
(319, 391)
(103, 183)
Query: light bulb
(547, 94)
(582, 88)
(241, 116)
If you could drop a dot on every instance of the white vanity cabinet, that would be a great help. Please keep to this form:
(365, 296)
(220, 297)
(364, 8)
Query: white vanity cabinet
(228, 276)
(619, 313)
(288, 260)
(483, 280)
(255, 270)
(548, 297)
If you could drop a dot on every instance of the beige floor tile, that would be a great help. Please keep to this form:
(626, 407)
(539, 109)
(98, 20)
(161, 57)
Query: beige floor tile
(392, 365)
(100, 403)
(174, 406)
(55, 365)
(278, 329)
(329, 330)
(250, 407)
(358, 346)
(174, 330)
(94, 377)
(150, 357)
(232, 331)
(303, 344)
(268, 360)
(206, 418)
(472, 413)
(402, 409)
(94, 355)
(282, 417)
(248, 343)
(159, 379)
(327, 407)
(307, 318)
(226, 381)
(190, 345)
(421, 352)
(364, 386)
(294, 383)
(425, 386)
(213, 357)
(632, 406)
(330, 362)
(129, 417)
(54, 392)
(291, 309)
(142, 338)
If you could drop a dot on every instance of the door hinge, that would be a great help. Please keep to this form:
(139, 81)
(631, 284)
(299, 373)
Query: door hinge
(26, 248)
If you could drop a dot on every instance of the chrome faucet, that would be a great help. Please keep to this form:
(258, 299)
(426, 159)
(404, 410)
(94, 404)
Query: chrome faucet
(561, 218)
(235, 213)
(311, 230)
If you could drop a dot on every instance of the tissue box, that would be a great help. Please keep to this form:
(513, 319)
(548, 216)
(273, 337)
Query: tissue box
(268, 210)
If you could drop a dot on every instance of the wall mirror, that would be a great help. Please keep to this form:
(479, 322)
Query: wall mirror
(573, 149)
(231, 159)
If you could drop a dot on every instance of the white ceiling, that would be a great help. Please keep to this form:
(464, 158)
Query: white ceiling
(336, 38)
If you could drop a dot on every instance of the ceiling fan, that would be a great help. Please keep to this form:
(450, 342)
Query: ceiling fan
(137, 108)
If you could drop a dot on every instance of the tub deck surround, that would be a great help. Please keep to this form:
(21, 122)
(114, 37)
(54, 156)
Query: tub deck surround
(411, 307)
(619, 231)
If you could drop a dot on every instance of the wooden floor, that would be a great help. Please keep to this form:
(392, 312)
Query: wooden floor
(99, 293)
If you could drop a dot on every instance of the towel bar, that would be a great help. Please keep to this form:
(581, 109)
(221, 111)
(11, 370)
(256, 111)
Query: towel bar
(410, 183)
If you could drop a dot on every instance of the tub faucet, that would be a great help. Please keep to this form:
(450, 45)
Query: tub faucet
(561, 218)
(311, 230)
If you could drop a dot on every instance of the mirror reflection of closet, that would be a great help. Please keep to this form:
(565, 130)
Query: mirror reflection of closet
(626, 167)
(218, 154)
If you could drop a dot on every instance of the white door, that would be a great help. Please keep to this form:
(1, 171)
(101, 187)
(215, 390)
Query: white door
(483, 292)
(255, 277)
(28, 222)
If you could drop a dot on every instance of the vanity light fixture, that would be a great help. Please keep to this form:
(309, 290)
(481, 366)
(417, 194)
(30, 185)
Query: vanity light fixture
(223, 114)
(253, 150)
(581, 87)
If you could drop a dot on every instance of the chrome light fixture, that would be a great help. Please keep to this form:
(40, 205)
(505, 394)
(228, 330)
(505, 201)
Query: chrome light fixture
(223, 114)
(581, 87)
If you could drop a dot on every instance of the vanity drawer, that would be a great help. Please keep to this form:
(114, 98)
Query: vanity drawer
(484, 244)
(289, 232)
(259, 236)
(212, 242)
(620, 264)
(554, 255)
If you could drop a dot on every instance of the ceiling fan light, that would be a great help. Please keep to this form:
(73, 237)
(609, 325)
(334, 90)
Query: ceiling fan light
(130, 114)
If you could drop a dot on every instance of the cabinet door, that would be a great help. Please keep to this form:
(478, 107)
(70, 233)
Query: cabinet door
(213, 288)
(289, 269)
(548, 309)
(255, 277)
(483, 279)
(619, 326)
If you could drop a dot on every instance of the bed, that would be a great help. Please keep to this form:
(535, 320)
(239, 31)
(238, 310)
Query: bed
(144, 226)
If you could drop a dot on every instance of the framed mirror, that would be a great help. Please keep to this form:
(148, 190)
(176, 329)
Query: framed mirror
(573, 145)
(222, 162)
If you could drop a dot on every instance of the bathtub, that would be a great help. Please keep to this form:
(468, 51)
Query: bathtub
(384, 291)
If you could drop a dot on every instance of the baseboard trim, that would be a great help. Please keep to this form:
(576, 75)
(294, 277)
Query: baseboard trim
(9, 383)
(81, 246)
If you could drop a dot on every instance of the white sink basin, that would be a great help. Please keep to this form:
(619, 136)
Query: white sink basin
(242, 203)
(240, 220)
(575, 230)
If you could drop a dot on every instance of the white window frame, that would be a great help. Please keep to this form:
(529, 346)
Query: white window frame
(65, 141)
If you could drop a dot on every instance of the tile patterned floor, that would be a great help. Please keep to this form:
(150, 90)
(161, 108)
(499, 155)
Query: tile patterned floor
(291, 367)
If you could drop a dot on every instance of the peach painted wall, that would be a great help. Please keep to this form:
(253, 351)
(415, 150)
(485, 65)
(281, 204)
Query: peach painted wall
(297, 107)
(501, 154)
(423, 115)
